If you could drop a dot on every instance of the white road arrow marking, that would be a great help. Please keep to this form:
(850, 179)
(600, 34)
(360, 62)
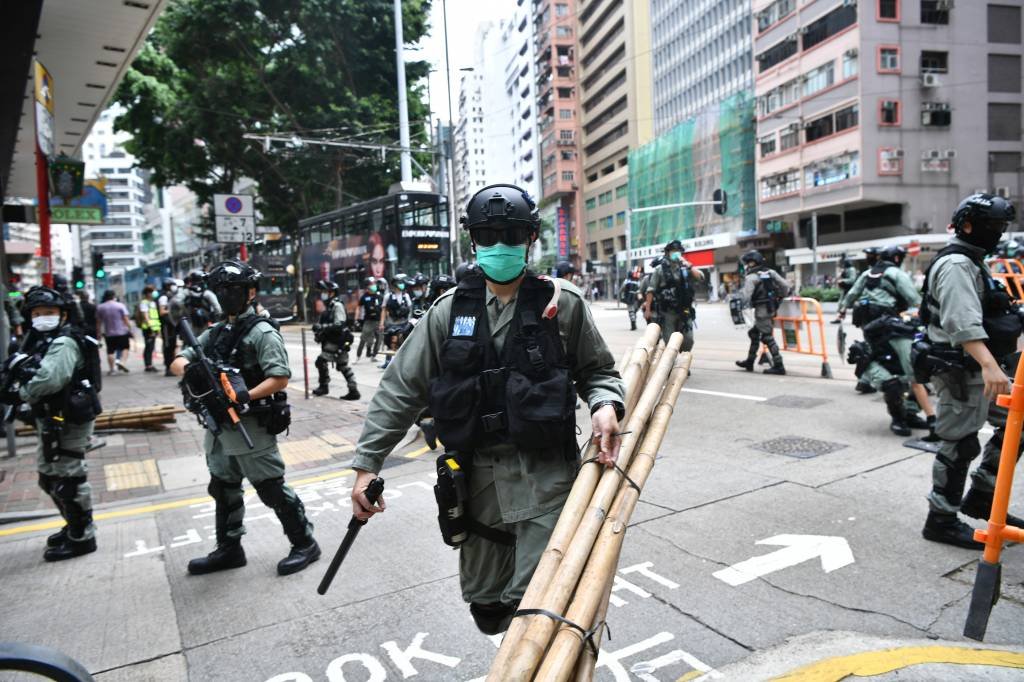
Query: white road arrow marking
(796, 549)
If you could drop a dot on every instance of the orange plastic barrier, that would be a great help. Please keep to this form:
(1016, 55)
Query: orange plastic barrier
(1010, 272)
(803, 329)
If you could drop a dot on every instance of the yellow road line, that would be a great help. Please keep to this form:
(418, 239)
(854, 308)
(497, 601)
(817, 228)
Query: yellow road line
(692, 675)
(870, 663)
(417, 453)
(150, 508)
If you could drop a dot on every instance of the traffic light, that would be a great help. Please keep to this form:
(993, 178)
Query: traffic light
(98, 270)
(721, 201)
(78, 277)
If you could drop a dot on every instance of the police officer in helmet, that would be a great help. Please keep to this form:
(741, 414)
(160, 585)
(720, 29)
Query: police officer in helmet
(438, 285)
(251, 344)
(368, 317)
(672, 284)
(335, 339)
(518, 475)
(972, 325)
(763, 289)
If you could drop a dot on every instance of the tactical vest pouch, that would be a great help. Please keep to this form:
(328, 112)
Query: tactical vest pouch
(455, 407)
(1003, 332)
(864, 312)
(82, 404)
(537, 412)
(451, 493)
(276, 415)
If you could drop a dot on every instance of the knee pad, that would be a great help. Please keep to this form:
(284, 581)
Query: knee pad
(218, 488)
(271, 492)
(754, 334)
(66, 487)
(968, 448)
(492, 619)
(46, 482)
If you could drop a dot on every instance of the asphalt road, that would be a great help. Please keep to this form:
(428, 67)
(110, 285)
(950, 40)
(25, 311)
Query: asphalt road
(779, 507)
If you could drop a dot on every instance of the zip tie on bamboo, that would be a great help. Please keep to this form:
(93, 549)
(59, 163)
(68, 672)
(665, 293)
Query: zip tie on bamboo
(579, 496)
(531, 647)
(590, 597)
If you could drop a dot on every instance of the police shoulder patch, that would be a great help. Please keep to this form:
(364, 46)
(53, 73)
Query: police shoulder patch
(465, 325)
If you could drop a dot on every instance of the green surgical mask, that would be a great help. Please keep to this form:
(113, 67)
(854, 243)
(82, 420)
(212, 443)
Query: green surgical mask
(501, 263)
(373, 290)
(675, 255)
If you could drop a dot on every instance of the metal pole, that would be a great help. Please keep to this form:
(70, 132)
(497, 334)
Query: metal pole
(403, 105)
(814, 249)
(305, 363)
(452, 227)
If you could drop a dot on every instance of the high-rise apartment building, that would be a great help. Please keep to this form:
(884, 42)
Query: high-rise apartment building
(615, 116)
(520, 101)
(470, 160)
(701, 55)
(876, 118)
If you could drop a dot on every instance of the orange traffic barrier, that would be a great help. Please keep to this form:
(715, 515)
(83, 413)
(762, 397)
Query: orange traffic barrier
(1010, 272)
(987, 581)
(803, 329)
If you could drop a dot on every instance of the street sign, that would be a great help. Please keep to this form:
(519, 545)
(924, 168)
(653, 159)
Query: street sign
(233, 205)
(44, 109)
(914, 249)
(235, 229)
(76, 215)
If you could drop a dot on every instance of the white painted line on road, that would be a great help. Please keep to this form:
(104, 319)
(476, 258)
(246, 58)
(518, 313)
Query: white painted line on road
(834, 553)
(720, 394)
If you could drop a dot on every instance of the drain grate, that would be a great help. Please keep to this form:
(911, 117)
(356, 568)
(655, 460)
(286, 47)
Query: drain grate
(797, 402)
(795, 446)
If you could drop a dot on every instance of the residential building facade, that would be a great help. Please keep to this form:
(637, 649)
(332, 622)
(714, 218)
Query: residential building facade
(876, 118)
(469, 157)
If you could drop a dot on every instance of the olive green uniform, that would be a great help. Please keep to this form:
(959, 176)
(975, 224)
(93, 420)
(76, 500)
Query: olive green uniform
(229, 459)
(332, 352)
(64, 478)
(515, 491)
(847, 278)
(958, 284)
(673, 320)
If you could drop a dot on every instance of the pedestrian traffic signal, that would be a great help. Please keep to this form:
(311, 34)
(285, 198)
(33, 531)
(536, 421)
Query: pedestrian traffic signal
(721, 201)
(98, 269)
(78, 276)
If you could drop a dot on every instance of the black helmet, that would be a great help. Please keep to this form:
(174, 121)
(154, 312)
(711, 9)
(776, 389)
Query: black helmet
(463, 270)
(442, 283)
(327, 285)
(196, 278)
(753, 256)
(983, 208)
(419, 279)
(894, 254)
(501, 204)
(674, 245)
(40, 296)
(232, 273)
(369, 282)
(565, 268)
(60, 283)
(871, 254)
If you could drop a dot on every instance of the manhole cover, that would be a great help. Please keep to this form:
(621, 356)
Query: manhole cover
(801, 448)
(797, 402)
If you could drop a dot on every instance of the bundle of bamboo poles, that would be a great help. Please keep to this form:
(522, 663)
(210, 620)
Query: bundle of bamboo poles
(574, 576)
(150, 418)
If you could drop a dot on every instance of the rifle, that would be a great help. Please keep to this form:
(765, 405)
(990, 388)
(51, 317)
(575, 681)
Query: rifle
(213, 399)
(373, 492)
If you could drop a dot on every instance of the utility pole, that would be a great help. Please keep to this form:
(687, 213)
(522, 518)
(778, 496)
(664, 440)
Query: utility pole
(403, 104)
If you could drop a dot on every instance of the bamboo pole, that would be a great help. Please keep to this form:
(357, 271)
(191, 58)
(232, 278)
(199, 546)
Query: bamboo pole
(588, 659)
(568, 520)
(530, 650)
(559, 663)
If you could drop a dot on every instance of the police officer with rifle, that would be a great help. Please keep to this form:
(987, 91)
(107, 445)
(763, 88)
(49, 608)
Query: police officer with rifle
(335, 339)
(57, 372)
(672, 285)
(973, 330)
(234, 377)
(498, 361)
(763, 289)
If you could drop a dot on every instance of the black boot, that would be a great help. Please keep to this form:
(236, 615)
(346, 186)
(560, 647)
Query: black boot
(932, 437)
(69, 549)
(228, 554)
(320, 390)
(494, 618)
(949, 530)
(865, 388)
(914, 421)
(57, 538)
(299, 558)
(776, 368)
(978, 505)
(747, 364)
(893, 391)
(353, 394)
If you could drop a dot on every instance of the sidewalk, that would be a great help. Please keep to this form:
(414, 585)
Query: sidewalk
(137, 463)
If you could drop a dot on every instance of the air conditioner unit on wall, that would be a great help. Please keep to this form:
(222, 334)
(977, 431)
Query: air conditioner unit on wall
(930, 80)
(932, 154)
(944, 5)
(949, 154)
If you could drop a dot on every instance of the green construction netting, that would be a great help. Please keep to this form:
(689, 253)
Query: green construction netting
(713, 149)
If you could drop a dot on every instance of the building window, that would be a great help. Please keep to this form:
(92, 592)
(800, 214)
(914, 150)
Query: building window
(564, 113)
(620, 218)
(776, 54)
(591, 226)
(563, 31)
(1004, 121)
(832, 170)
(889, 112)
(1004, 162)
(850, 64)
(779, 97)
(774, 13)
(592, 247)
(829, 25)
(608, 245)
(1003, 24)
(561, 10)
(936, 115)
(1004, 73)
(605, 198)
(767, 144)
(890, 161)
(819, 128)
(888, 10)
(819, 79)
(780, 184)
(935, 11)
(934, 62)
(565, 135)
(590, 203)
(567, 176)
(789, 138)
(888, 59)
(621, 191)
(607, 222)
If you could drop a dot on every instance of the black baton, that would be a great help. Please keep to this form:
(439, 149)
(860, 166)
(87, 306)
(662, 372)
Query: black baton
(373, 492)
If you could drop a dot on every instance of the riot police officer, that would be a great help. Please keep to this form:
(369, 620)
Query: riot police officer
(60, 379)
(672, 284)
(519, 475)
(438, 285)
(252, 345)
(418, 292)
(335, 339)
(883, 358)
(972, 328)
(395, 316)
(763, 289)
(871, 254)
(201, 304)
(847, 274)
(368, 317)
(628, 296)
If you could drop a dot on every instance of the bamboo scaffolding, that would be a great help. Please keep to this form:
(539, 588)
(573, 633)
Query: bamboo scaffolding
(128, 418)
(560, 661)
(579, 496)
(530, 649)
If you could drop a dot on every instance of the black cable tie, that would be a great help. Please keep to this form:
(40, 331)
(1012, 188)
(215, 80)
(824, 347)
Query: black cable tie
(629, 480)
(588, 635)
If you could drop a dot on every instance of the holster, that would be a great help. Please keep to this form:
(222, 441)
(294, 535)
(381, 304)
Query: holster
(452, 494)
(273, 413)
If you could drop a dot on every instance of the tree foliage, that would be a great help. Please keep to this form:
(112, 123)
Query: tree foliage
(214, 70)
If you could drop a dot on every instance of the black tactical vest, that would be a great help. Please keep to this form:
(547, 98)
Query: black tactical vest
(398, 305)
(224, 340)
(764, 290)
(676, 293)
(371, 306)
(525, 396)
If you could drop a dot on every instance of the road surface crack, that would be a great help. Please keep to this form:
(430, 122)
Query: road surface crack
(700, 622)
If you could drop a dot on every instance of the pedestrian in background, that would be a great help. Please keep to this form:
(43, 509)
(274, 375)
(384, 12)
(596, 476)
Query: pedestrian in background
(113, 322)
(147, 317)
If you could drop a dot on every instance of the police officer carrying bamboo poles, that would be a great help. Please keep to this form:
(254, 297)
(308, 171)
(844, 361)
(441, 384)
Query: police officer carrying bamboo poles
(763, 288)
(499, 367)
(973, 328)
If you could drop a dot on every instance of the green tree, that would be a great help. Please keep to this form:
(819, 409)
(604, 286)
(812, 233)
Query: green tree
(213, 70)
